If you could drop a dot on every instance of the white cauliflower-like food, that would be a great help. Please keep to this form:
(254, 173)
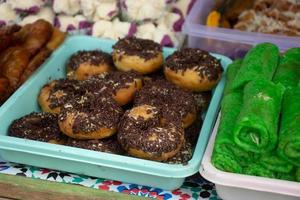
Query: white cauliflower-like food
(27, 6)
(70, 23)
(7, 14)
(68, 7)
(113, 30)
(143, 9)
(45, 13)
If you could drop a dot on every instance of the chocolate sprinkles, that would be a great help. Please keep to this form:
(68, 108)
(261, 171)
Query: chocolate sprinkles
(37, 126)
(92, 113)
(143, 48)
(195, 59)
(93, 57)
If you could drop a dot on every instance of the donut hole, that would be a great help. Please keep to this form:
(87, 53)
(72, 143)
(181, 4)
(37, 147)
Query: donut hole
(144, 111)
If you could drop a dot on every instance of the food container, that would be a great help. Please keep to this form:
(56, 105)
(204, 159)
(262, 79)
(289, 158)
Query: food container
(229, 42)
(92, 163)
(230, 186)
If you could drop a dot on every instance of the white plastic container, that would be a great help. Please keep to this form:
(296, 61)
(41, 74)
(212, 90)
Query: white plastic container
(230, 186)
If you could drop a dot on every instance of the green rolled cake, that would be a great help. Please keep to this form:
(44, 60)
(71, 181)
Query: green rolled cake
(259, 63)
(298, 175)
(257, 169)
(288, 71)
(257, 124)
(231, 72)
(275, 163)
(227, 156)
(289, 136)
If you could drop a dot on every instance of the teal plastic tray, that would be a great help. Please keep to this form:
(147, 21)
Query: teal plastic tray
(92, 163)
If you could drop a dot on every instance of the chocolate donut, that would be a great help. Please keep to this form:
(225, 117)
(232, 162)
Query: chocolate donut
(144, 133)
(141, 55)
(58, 92)
(85, 64)
(193, 69)
(90, 116)
(169, 98)
(108, 145)
(37, 126)
(121, 85)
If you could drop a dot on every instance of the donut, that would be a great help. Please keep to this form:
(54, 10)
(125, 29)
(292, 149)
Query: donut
(85, 64)
(56, 93)
(90, 116)
(37, 126)
(141, 55)
(143, 133)
(108, 145)
(121, 85)
(193, 69)
(169, 98)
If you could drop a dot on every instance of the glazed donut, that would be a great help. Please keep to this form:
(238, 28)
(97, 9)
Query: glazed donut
(169, 98)
(141, 55)
(145, 134)
(193, 69)
(85, 64)
(58, 92)
(90, 117)
(121, 85)
(108, 145)
(37, 126)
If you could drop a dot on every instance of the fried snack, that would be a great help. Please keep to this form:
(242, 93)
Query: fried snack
(35, 62)
(56, 39)
(4, 92)
(13, 62)
(5, 35)
(34, 36)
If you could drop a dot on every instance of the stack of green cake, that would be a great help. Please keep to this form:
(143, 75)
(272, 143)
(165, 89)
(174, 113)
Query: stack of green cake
(259, 130)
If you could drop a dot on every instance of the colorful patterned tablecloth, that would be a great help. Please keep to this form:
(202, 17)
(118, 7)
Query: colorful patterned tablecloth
(194, 187)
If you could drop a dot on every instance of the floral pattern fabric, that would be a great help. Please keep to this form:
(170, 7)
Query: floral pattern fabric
(194, 187)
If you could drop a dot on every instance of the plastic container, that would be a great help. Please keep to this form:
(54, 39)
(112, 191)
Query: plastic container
(230, 186)
(92, 163)
(230, 42)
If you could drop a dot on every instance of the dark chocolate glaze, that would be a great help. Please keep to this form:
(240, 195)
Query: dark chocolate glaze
(166, 96)
(69, 89)
(100, 111)
(108, 145)
(134, 133)
(37, 126)
(143, 48)
(93, 57)
(199, 60)
(110, 82)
